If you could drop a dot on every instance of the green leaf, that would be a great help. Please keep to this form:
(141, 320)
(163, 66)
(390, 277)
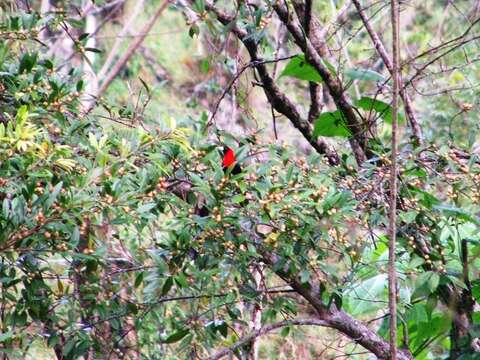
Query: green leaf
(69, 346)
(177, 336)
(146, 208)
(205, 65)
(53, 340)
(167, 286)
(285, 331)
(222, 327)
(22, 114)
(53, 195)
(6, 209)
(237, 199)
(428, 280)
(27, 62)
(94, 50)
(416, 262)
(427, 199)
(199, 6)
(298, 68)
(433, 282)
(144, 85)
(304, 276)
(331, 124)
(6, 336)
(361, 295)
(79, 86)
(476, 291)
(139, 279)
(456, 212)
(382, 108)
(181, 280)
(194, 30)
(364, 74)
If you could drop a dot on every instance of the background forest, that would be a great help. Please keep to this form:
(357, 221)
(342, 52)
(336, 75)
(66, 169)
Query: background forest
(125, 234)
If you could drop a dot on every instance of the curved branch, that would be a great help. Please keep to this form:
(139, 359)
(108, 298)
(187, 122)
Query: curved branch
(115, 70)
(279, 101)
(417, 131)
(262, 331)
(335, 318)
(358, 140)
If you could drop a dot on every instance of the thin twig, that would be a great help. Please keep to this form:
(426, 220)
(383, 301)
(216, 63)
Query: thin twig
(251, 64)
(416, 129)
(130, 51)
(116, 45)
(262, 331)
(392, 275)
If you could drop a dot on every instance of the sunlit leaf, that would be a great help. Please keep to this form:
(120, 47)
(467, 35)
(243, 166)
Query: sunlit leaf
(331, 124)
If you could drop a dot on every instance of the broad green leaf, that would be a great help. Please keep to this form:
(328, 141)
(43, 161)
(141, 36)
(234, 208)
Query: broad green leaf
(433, 281)
(364, 74)
(456, 212)
(360, 296)
(382, 108)
(177, 336)
(139, 279)
(298, 68)
(27, 62)
(194, 30)
(146, 207)
(6, 336)
(476, 292)
(428, 280)
(53, 195)
(285, 331)
(223, 328)
(304, 276)
(22, 114)
(237, 199)
(181, 280)
(331, 124)
(416, 262)
(167, 286)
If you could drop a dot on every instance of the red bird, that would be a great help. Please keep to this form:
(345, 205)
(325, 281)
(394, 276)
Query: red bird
(230, 161)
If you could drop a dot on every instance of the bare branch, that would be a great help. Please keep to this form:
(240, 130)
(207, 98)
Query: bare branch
(279, 101)
(262, 331)
(336, 319)
(417, 131)
(116, 45)
(392, 274)
(130, 51)
(358, 140)
(305, 12)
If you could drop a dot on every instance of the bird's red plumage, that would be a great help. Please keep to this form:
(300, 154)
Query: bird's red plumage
(229, 158)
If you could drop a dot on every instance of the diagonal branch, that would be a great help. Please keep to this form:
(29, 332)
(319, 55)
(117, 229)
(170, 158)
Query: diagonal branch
(262, 331)
(335, 318)
(116, 45)
(417, 131)
(279, 101)
(358, 140)
(112, 74)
